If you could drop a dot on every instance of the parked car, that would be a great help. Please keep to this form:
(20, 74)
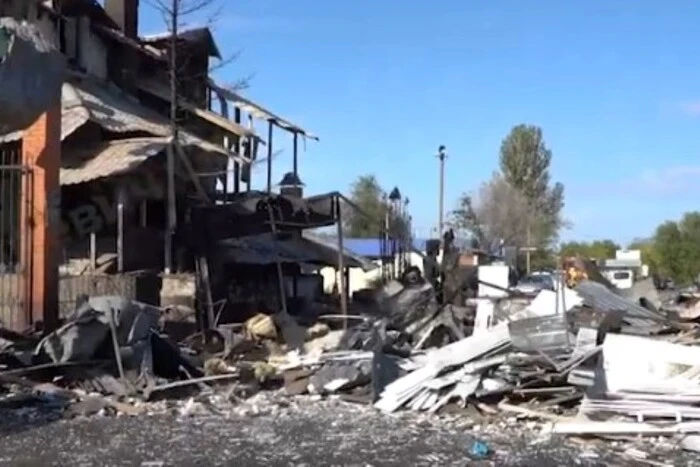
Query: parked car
(534, 283)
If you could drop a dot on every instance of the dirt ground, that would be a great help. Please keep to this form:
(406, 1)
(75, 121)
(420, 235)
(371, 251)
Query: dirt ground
(268, 430)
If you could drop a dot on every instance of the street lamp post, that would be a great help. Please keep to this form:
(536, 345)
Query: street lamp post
(395, 199)
(408, 240)
(441, 155)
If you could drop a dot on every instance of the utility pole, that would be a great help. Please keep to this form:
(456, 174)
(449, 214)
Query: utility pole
(442, 155)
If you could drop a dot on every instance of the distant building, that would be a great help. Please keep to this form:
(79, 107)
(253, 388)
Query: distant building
(624, 268)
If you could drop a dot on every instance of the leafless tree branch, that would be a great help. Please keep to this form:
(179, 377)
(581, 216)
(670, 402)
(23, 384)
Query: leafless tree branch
(497, 213)
(213, 10)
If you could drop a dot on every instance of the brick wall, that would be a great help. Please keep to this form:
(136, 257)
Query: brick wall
(41, 152)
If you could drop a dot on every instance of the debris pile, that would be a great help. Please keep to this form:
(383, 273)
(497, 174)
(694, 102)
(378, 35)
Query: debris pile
(587, 360)
(109, 354)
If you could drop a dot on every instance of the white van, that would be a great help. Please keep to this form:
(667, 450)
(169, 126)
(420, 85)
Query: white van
(620, 278)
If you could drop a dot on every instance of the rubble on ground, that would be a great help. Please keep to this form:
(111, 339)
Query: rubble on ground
(583, 361)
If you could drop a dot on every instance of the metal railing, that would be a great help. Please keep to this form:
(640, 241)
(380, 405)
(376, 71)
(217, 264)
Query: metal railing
(15, 243)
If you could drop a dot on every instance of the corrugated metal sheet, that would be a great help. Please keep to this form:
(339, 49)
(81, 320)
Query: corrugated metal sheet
(263, 249)
(73, 115)
(84, 101)
(121, 113)
(118, 112)
(108, 159)
(72, 119)
(598, 296)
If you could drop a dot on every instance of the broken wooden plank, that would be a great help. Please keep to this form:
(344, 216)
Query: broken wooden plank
(458, 353)
(621, 428)
(190, 382)
(48, 366)
(506, 407)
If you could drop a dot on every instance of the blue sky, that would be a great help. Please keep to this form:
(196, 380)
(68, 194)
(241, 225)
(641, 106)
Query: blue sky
(614, 84)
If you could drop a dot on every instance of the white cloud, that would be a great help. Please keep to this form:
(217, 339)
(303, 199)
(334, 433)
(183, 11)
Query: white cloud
(673, 180)
(657, 183)
(691, 108)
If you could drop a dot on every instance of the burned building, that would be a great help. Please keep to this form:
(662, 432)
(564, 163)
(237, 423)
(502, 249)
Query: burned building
(86, 187)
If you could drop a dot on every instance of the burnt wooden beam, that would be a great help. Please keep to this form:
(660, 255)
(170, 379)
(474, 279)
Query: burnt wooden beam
(341, 265)
(239, 149)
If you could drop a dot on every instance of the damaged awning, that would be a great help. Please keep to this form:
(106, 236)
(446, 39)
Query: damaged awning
(258, 111)
(112, 110)
(116, 157)
(83, 101)
(74, 114)
(223, 123)
(108, 159)
(264, 249)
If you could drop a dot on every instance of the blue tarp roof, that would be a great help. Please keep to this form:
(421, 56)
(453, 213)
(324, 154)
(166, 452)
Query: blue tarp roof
(368, 247)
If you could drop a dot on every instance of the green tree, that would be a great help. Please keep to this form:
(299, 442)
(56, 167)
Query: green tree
(525, 163)
(573, 249)
(669, 246)
(690, 233)
(368, 222)
(518, 205)
(598, 249)
(677, 248)
(496, 214)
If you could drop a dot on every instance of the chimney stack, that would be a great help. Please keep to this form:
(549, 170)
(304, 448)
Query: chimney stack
(126, 14)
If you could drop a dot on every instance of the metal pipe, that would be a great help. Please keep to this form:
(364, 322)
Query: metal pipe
(269, 156)
(120, 230)
(295, 154)
(93, 251)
